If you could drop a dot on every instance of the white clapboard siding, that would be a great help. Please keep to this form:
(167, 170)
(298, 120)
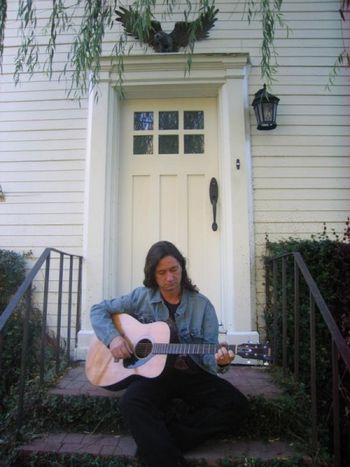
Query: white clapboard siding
(301, 170)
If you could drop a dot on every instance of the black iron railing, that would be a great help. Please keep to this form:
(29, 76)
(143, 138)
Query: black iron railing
(61, 290)
(293, 299)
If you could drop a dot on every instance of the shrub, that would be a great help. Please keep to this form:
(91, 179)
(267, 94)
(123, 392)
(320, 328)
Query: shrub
(12, 274)
(328, 260)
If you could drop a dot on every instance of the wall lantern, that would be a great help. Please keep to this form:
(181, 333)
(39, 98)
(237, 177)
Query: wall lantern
(265, 108)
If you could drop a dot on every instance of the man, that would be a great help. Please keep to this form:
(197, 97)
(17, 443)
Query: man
(213, 405)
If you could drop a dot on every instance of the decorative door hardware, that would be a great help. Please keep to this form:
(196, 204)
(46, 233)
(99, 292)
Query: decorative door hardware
(214, 196)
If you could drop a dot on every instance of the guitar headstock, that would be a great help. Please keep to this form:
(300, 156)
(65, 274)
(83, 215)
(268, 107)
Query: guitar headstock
(255, 351)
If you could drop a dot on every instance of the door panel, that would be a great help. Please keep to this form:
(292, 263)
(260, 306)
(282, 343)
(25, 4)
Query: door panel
(169, 155)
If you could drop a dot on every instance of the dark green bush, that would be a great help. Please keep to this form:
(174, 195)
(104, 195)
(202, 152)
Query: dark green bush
(12, 349)
(12, 274)
(327, 257)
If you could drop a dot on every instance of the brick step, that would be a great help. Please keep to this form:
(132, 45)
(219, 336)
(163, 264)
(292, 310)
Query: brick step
(253, 381)
(123, 446)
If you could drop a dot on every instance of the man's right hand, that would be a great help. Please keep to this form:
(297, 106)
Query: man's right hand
(120, 348)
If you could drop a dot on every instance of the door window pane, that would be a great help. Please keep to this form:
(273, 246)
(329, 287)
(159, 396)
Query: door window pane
(143, 121)
(168, 144)
(143, 144)
(194, 144)
(193, 120)
(169, 120)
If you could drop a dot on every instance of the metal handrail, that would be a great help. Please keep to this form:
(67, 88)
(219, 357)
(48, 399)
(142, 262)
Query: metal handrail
(25, 291)
(340, 348)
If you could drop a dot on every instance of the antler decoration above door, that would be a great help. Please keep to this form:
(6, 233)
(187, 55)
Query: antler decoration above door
(183, 34)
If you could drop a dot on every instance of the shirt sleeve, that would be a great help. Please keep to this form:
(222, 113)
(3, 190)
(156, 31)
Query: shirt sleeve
(210, 335)
(101, 317)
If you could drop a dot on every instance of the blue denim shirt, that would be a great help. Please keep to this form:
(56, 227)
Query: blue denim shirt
(195, 318)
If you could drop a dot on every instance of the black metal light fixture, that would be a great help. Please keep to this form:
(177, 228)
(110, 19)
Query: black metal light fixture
(265, 108)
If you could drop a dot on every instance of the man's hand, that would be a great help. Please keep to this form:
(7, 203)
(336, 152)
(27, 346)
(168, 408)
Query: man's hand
(224, 356)
(120, 348)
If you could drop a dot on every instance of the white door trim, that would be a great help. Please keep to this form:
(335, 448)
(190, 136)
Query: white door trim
(162, 75)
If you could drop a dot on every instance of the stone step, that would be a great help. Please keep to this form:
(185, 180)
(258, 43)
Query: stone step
(122, 446)
(253, 381)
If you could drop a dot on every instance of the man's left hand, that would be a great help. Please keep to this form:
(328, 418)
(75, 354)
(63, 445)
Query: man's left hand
(224, 356)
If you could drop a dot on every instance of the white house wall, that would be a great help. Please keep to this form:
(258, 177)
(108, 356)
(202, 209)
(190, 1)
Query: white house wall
(301, 173)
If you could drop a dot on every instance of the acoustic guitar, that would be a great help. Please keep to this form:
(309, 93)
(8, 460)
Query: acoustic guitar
(150, 344)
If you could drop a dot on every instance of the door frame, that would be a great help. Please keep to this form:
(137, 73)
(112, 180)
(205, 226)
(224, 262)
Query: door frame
(224, 76)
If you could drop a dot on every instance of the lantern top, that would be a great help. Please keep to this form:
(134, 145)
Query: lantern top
(262, 96)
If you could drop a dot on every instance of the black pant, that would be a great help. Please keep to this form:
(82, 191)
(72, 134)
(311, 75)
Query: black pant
(213, 406)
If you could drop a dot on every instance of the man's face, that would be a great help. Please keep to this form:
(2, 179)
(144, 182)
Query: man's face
(168, 275)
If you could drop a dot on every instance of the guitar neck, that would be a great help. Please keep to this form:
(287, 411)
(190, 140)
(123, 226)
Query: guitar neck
(188, 349)
(250, 351)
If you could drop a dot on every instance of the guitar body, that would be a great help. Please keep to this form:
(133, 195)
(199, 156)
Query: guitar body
(102, 370)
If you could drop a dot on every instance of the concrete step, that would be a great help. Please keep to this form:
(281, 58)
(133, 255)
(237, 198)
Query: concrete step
(253, 381)
(121, 446)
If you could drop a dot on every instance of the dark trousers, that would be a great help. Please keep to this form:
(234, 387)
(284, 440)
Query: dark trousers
(213, 406)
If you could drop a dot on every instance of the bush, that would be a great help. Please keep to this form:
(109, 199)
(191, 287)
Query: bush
(12, 274)
(328, 260)
(12, 349)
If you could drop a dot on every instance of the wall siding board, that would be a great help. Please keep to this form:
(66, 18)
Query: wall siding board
(301, 170)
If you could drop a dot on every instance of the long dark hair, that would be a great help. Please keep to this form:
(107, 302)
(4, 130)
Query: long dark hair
(157, 252)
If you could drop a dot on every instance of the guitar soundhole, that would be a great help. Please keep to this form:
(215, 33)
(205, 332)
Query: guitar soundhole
(143, 348)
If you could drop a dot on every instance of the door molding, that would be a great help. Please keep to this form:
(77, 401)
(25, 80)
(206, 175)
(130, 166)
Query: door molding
(224, 76)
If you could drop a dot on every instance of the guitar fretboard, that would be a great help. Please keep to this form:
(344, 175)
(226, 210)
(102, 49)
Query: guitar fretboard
(253, 351)
(187, 349)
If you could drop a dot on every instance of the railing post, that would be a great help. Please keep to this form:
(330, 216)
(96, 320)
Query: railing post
(1, 347)
(313, 372)
(24, 357)
(296, 320)
(44, 322)
(69, 315)
(78, 314)
(335, 397)
(59, 313)
(284, 315)
(274, 308)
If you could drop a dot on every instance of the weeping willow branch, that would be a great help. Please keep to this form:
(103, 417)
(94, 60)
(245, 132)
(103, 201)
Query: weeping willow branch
(270, 14)
(3, 14)
(87, 46)
(59, 22)
(28, 52)
(343, 58)
(83, 60)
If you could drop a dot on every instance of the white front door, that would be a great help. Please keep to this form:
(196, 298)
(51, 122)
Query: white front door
(168, 157)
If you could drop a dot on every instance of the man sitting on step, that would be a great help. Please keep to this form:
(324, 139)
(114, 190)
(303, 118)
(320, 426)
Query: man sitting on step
(213, 405)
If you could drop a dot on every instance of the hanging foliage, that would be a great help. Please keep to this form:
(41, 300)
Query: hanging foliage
(3, 15)
(271, 16)
(343, 58)
(98, 16)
